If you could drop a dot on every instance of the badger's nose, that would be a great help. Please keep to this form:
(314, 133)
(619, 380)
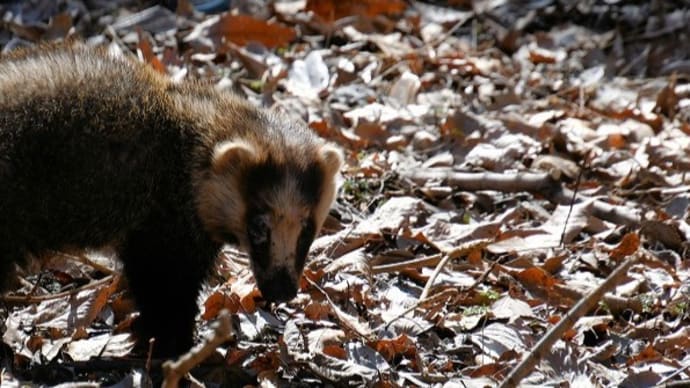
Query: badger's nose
(277, 286)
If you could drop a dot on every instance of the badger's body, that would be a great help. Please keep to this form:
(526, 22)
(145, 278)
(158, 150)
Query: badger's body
(100, 150)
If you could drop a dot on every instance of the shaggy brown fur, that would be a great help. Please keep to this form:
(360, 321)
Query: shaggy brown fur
(100, 150)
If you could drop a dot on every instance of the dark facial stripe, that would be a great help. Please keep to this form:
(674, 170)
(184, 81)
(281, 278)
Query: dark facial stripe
(304, 241)
(259, 235)
(310, 182)
(267, 175)
(262, 177)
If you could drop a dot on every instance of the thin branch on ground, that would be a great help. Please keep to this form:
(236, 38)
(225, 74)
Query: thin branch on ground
(24, 299)
(581, 308)
(175, 370)
(536, 183)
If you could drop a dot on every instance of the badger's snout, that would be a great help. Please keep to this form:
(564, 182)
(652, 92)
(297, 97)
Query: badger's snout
(277, 285)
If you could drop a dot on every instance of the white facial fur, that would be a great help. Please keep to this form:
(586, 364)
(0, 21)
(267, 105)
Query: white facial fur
(275, 249)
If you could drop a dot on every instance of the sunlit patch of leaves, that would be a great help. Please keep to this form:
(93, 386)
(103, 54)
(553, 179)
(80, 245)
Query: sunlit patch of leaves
(490, 294)
(476, 310)
(367, 194)
(648, 302)
(680, 309)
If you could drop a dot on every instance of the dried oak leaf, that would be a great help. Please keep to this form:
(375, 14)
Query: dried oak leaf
(647, 354)
(536, 277)
(627, 246)
(242, 29)
(331, 10)
(147, 53)
(390, 348)
(216, 302)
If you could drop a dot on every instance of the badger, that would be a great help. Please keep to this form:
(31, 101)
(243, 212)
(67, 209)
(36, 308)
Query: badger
(99, 150)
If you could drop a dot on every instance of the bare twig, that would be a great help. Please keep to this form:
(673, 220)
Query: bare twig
(345, 319)
(434, 275)
(680, 370)
(556, 332)
(440, 261)
(175, 370)
(572, 204)
(19, 299)
(441, 296)
(452, 254)
(537, 183)
(413, 263)
(475, 181)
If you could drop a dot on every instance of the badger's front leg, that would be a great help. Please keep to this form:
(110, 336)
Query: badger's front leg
(8, 256)
(165, 270)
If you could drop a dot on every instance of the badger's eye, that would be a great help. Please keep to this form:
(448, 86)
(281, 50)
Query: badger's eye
(258, 230)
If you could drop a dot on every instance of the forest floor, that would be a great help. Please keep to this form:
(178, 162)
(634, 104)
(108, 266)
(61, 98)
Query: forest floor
(513, 208)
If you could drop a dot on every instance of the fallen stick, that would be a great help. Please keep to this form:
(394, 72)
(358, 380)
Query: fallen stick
(173, 371)
(535, 183)
(524, 367)
(412, 263)
(463, 249)
(19, 299)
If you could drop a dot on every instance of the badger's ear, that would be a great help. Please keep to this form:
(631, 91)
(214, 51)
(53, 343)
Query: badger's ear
(232, 154)
(332, 158)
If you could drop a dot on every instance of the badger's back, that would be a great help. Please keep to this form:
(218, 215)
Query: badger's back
(86, 146)
(76, 76)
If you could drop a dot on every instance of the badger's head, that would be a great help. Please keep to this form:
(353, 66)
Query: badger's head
(270, 192)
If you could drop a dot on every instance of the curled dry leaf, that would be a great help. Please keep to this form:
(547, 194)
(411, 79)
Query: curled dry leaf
(257, 325)
(393, 215)
(498, 338)
(216, 302)
(628, 245)
(536, 278)
(511, 308)
(400, 346)
(147, 53)
(241, 297)
(647, 354)
(357, 262)
(556, 166)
